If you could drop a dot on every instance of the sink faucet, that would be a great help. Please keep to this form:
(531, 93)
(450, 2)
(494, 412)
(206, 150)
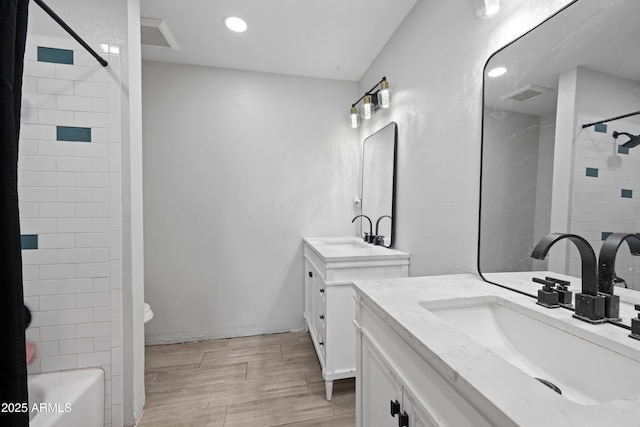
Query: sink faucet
(378, 239)
(589, 305)
(606, 269)
(368, 237)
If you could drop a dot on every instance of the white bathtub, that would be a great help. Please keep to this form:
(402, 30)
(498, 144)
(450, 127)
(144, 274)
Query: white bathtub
(67, 399)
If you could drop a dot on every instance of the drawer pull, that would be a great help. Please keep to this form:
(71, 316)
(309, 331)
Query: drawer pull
(311, 274)
(321, 343)
(322, 290)
(403, 421)
(395, 408)
(322, 317)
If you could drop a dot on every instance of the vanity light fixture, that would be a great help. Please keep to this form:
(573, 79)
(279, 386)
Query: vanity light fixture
(372, 100)
(367, 107)
(384, 94)
(235, 24)
(496, 72)
(487, 8)
(355, 118)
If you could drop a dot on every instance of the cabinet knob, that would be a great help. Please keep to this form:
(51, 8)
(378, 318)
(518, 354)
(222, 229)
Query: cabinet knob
(322, 317)
(403, 421)
(321, 343)
(311, 274)
(395, 408)
(322, 290)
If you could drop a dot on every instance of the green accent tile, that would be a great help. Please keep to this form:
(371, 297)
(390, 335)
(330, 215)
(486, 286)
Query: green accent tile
(29, 241)
(58, 56)
(602, 128)
(69, 133)
(592, 172)
(627, 194)
(623, 150)
(606, 234)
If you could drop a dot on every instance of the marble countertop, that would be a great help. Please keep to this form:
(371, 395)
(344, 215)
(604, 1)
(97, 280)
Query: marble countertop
(346, 248)
(478, 373)
(522, 282)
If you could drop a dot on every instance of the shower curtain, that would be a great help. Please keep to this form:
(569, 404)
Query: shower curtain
(13, 368)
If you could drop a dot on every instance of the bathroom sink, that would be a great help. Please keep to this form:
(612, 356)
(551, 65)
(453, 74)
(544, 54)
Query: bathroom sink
(346, 244)
(584, 366)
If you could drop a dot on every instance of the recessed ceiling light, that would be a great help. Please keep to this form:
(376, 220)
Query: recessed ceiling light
(235, 24)
(497, 72)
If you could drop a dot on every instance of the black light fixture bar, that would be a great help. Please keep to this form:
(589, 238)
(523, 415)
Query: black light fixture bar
(72, 33)
(369, 92)
(611, 119)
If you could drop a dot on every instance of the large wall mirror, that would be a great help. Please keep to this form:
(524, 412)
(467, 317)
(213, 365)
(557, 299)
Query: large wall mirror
(554, 100)
(378, 181)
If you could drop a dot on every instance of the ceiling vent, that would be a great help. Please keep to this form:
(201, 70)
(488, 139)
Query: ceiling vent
(154, 32)
(526, 93)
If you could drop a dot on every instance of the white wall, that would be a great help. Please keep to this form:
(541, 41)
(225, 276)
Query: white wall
(68, 200)
(434, 63)
(132, 235)
(80, 315)
(509, 177)
(596, 205)
(238, 168)
(545, 176)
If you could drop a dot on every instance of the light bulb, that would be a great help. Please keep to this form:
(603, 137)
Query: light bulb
(355, 119)
(235, 24)
(367, 107)
(487, 8)
(497, 72)
(384, 95)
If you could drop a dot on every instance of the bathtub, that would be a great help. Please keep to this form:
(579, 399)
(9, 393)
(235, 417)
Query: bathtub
(67, 399)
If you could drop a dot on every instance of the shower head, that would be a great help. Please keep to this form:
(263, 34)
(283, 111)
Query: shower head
(633, 141)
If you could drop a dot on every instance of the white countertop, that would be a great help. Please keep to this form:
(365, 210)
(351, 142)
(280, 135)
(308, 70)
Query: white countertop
(521, 281)
(351, 248)
(480, 374)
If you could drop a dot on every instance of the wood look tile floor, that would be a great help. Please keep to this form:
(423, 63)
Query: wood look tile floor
(261, 381)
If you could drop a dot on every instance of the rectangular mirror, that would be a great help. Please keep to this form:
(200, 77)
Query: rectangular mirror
(378, 181)
(560, 103)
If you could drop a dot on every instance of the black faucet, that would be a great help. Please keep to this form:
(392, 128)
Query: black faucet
(378, 239)
(589, 305)
(368, 237)
(606, 269)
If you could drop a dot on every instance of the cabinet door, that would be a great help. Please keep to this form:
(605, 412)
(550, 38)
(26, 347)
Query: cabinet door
(320, 305)
(380, 387)
(418, 416)
(309, 274)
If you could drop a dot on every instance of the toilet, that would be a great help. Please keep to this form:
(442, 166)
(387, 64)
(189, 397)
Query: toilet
(148, 314)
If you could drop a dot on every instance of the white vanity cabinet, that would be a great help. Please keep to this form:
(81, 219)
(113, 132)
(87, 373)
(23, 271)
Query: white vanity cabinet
(390, 370)
(384, 398)
(331, 265)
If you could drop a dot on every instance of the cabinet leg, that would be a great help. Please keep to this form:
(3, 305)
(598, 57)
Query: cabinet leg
(328, 385)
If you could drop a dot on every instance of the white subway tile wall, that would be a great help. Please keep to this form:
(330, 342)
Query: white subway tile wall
(70, 197)
(600, 206)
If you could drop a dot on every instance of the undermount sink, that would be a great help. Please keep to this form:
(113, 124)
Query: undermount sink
(346, 244)
(585, 368)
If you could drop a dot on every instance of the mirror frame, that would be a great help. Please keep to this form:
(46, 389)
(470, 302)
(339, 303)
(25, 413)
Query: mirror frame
(483, 167)
(482, 147)
(393, 184)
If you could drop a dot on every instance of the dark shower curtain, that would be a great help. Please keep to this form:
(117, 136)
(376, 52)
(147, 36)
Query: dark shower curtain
(13, 367)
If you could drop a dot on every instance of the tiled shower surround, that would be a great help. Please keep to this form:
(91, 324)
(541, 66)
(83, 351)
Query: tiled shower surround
(70, 209)
(606, 196)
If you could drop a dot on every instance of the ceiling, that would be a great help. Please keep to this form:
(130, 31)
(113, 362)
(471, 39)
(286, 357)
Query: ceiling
(601, 36)
(333, 39)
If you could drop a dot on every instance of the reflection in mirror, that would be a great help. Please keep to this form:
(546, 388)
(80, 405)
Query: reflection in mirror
(553, 160)
(378, 182)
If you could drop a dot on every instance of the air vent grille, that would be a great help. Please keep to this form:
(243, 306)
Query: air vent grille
(526, 93)
(154, 32)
